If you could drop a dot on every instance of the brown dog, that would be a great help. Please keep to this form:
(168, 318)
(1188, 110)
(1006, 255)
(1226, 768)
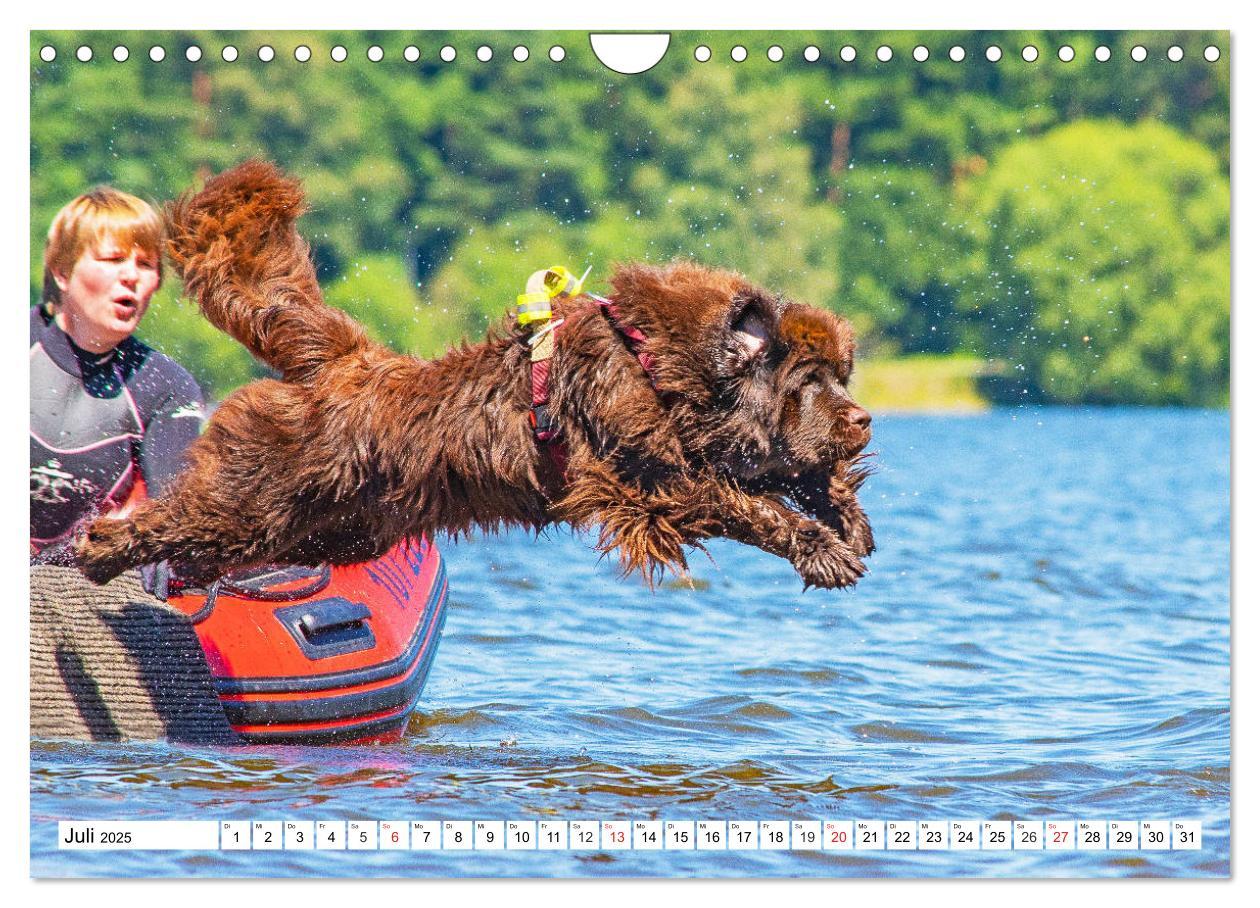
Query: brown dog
(745, 409)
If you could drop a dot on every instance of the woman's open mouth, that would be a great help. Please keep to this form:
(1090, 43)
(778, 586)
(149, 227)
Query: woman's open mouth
(125, 308)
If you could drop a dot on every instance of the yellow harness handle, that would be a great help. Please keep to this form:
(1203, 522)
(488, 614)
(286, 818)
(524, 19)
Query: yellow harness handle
(534, 305)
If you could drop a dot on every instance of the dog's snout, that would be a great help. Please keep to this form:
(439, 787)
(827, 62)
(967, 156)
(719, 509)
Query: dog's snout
(859, 417)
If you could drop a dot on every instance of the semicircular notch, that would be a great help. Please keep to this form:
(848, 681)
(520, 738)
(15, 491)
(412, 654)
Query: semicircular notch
(629, 54)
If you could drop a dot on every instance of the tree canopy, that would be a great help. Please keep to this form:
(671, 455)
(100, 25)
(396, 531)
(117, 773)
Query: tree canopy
(1068, 221)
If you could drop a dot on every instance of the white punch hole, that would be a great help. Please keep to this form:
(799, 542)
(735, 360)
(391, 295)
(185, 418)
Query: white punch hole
(520, 53)
(48, 53)
(121, 54)
(157, 53)
(921, 53)
(1175, 53)
(848, 53)
(192, 54)
(1067, 54)
(1102, 54)
(883, 53)
(1029, 53)
(556, 53)
(703, 54)
(339, 54)
(411, 53)
(485, 53)
(375, 54)
(1138, 53)
(266, 53)
(775, 53)
(447, 53)
(739, 53)
(1211, 53)
(957, 53)
(83, 54)
(302, 53)
(625, 54)
(811, 54)
(230, 54)
(993, 53)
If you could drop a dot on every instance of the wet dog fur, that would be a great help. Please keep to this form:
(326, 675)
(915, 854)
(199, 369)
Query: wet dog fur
(749, 433)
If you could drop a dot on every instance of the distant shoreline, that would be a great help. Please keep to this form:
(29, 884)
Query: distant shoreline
(946, 384)
(921, 383)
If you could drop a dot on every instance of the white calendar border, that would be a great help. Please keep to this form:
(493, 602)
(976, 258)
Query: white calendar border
(652, 14)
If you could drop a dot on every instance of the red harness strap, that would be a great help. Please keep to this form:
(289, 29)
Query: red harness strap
(545, 429)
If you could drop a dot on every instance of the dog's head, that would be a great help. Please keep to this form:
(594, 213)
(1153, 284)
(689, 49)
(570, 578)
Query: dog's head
(754, 384)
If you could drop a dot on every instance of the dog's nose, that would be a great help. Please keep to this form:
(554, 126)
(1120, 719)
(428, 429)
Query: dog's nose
(859, 417)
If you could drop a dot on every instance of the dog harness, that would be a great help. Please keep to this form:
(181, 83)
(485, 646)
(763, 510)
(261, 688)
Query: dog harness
(534, 312)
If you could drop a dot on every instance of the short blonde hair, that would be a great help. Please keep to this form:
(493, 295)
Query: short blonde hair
(100, 214)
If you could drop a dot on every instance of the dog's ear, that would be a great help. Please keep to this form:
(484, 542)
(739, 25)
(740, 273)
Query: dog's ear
(751, 324)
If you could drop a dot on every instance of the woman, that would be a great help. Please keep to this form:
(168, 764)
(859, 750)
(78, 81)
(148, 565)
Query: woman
(110, 417)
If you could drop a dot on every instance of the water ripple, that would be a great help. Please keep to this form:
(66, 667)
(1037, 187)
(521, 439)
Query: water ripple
(1020, 648)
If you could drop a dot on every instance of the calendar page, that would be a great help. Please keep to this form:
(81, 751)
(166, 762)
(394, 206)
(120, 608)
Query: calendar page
(661, 454)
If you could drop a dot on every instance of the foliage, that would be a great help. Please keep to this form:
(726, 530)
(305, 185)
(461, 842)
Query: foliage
(889, 192)
(1103, 265)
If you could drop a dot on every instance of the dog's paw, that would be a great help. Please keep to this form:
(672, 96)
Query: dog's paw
(822, 560)
(850, 519)
(105, 550)
(857, 532)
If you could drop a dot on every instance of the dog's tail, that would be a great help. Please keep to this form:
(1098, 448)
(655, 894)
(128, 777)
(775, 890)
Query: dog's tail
(235, 246)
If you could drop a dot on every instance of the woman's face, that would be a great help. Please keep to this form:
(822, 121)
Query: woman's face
(106, 294)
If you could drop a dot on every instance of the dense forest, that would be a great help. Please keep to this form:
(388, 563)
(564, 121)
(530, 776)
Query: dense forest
(1066, 224)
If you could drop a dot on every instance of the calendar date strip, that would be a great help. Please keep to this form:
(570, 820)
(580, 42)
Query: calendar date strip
(631, 835)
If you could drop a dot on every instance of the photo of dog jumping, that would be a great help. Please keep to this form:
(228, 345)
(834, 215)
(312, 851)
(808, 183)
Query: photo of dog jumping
(727, 415)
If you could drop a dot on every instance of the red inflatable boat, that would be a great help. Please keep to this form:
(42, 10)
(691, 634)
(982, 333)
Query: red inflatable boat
(318, 655)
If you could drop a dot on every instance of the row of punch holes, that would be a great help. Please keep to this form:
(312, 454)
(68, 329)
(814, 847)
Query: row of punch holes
(556, 53)
(302, 53)
(1030, 53)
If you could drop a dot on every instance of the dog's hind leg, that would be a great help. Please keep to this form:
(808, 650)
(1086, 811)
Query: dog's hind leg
(207, 534)
(243, 500)
(352, 537)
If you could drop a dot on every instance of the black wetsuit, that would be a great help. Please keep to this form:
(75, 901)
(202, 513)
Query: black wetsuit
(99, 422)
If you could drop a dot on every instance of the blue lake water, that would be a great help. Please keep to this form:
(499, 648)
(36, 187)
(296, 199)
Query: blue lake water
(1044, 634)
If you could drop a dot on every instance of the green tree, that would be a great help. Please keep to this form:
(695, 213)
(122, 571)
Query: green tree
(717, 178)
(1103, 266)
(436, 187)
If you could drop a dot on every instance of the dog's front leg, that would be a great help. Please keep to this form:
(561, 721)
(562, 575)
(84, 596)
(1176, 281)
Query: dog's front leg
(640, 526)
(816, 551)
(650, 528)
(831, 497)
(853, 524)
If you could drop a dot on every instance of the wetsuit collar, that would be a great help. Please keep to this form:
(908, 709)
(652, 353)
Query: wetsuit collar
(71, 358)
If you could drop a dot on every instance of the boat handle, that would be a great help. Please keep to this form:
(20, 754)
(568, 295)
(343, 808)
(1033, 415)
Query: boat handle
(332, 613)
(329, 627)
